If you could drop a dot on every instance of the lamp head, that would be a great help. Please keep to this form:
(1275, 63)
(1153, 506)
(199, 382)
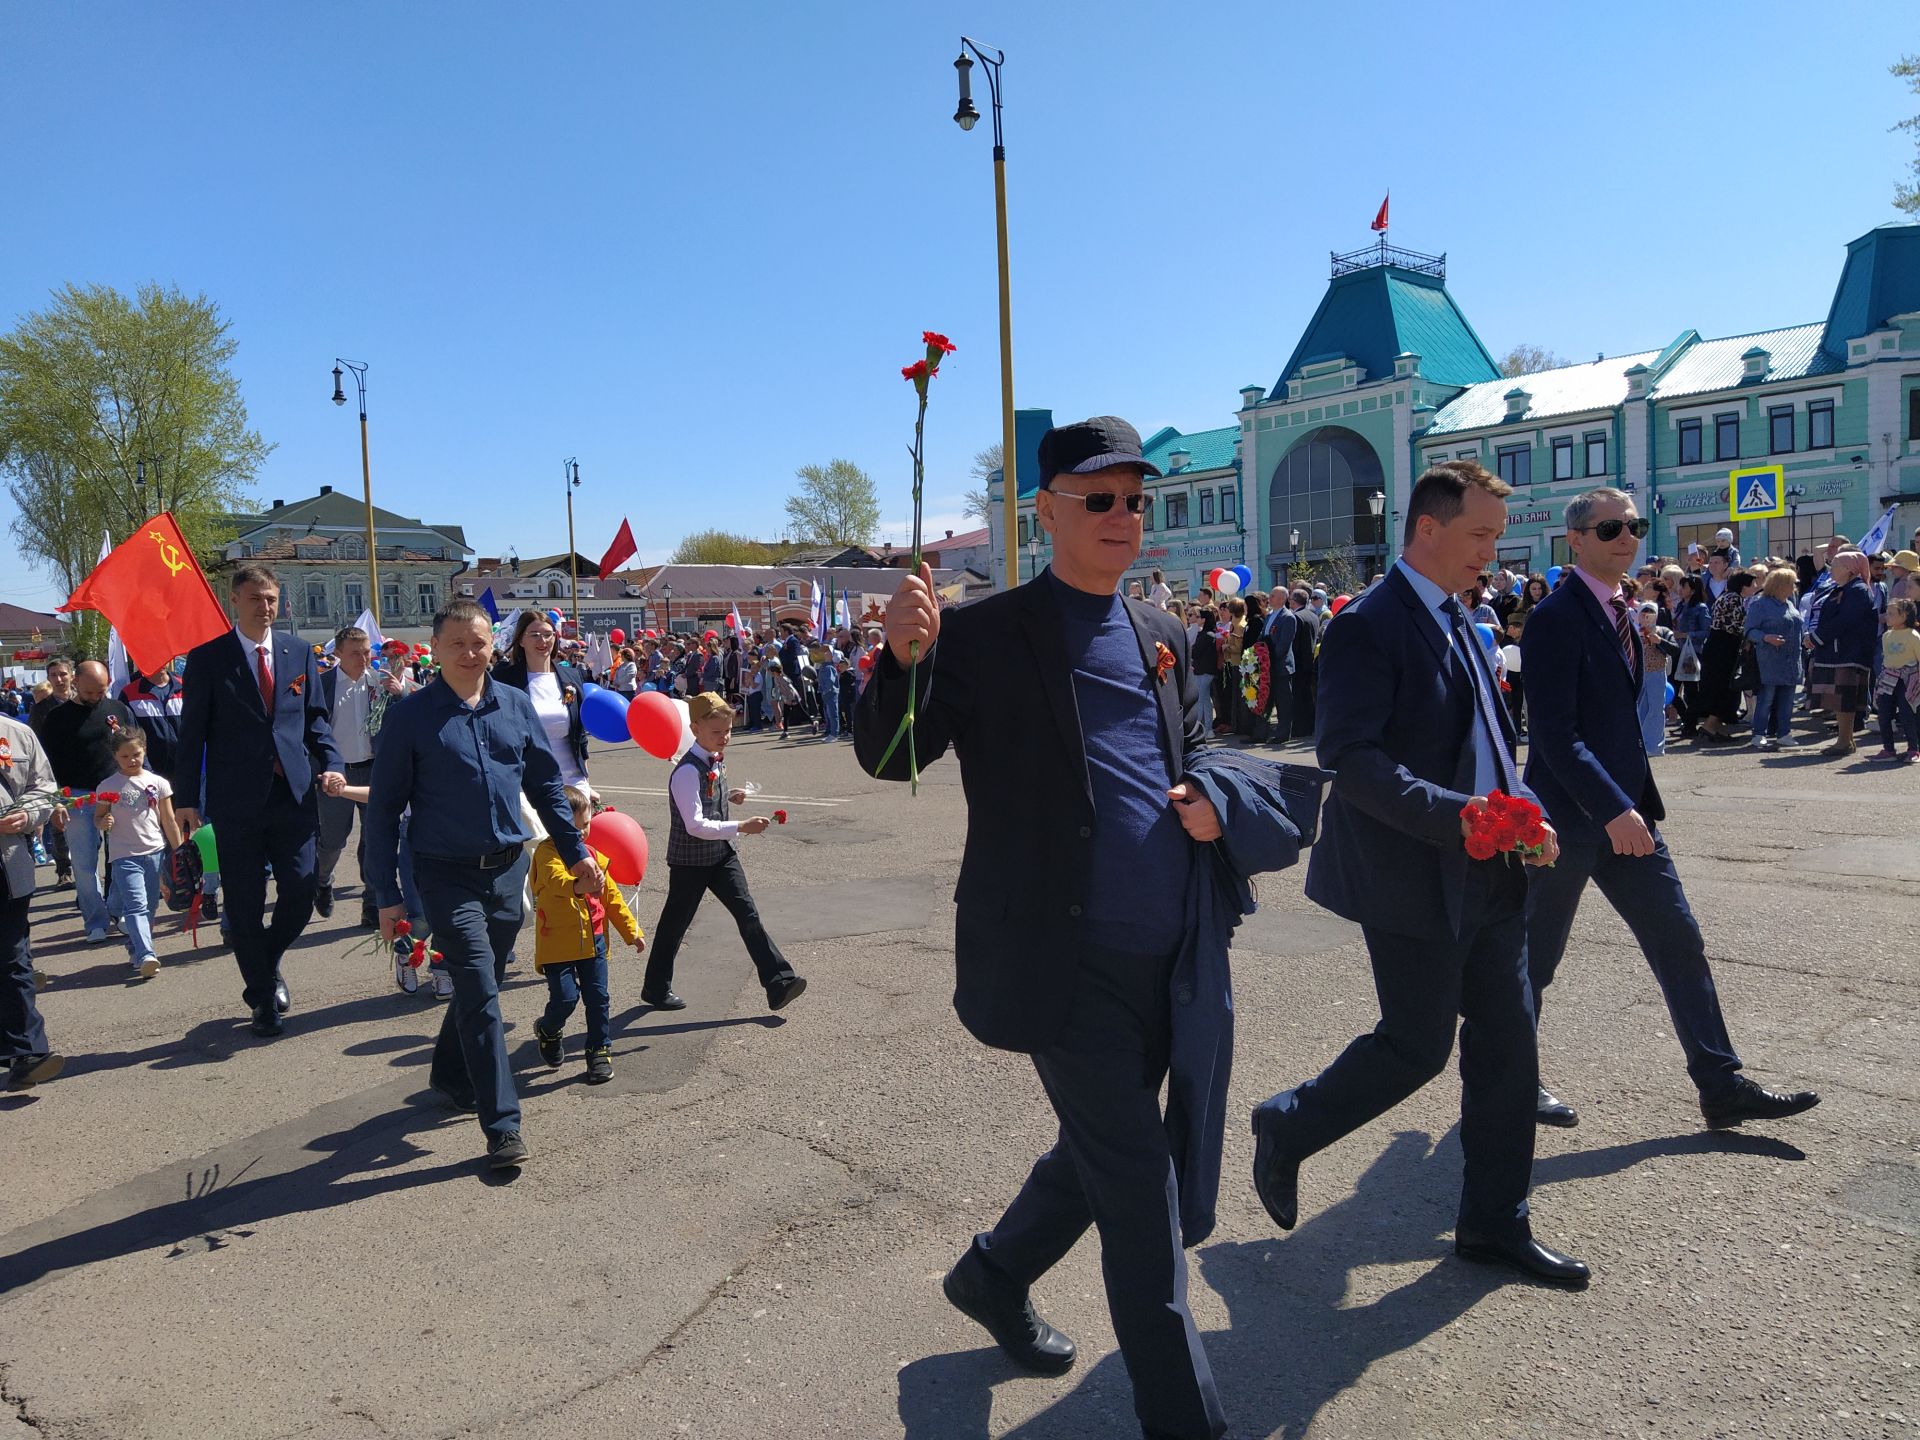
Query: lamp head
(1376, 502)
(966, 117)
(339, 395)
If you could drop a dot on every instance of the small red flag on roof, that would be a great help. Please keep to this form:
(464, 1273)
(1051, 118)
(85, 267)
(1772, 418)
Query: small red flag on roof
(1380, 220)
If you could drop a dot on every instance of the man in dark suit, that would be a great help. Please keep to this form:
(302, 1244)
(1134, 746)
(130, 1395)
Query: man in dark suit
(255, 740)
(1070, 900)
(1282, 630)
(1588, 763)
(1413, 729)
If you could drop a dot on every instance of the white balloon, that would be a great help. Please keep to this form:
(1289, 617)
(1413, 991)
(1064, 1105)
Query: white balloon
(686, 727)
(1229, 583)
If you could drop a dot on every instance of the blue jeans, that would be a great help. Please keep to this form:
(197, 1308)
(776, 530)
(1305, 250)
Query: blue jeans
(829, 690)
(1897, 709)
(1773, 711)
(83, 843)
(567, 984)
(474, 916)
(136, 896)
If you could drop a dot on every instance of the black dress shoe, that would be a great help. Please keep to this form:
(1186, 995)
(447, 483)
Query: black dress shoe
(1523, 1253)
(27, 1071)
(282, 997)
(1007, 1313)
(1276, 1173)
(786, 992)
(266, 1021)
(323, 902)
(508, 1151)
(1744, 1100)
(668, 1001)
(1550, 1109)
(458, 1099)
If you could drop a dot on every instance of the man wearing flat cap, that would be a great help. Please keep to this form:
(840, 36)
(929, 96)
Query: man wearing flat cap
(1074, 720)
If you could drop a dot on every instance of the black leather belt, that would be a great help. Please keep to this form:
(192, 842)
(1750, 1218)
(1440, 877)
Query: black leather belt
(492, 860)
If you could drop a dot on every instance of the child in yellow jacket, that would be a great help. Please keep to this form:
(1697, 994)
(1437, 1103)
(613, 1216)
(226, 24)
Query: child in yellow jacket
(570, 948)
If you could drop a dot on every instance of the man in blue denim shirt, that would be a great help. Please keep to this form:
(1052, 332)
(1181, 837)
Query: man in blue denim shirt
(460, 752)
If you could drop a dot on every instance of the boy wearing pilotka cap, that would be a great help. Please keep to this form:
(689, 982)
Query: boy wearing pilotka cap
(701, 857)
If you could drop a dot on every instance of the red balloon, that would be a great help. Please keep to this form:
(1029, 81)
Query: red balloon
(1339, 604)
(654, 722)
(1213, 578)
(866, 662)
(712, 635)
(729, 620)
(653, 635)
(620, 838)
(617, 635)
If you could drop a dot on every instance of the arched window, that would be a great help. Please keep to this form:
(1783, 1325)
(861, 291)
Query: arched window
(1320, 489)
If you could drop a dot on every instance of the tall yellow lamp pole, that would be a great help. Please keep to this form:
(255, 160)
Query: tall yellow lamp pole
(366, 479)
(967, 117)
(570, 472)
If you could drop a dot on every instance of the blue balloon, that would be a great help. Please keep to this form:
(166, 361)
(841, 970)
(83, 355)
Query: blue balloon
(587, 687)
(1487, 637)
(1553, 576)
(1246, 577)
(1669, 692)
(604, 713)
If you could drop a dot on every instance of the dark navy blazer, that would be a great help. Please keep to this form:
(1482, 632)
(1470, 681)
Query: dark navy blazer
(1396, 715)
(227, 734)
(1586, 755)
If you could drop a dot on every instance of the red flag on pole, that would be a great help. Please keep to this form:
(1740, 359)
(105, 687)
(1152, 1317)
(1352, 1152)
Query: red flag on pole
(622, 550)
(1380, 220)
(152, 591)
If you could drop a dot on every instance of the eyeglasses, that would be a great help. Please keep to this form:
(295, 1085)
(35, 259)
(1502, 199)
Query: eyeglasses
(1610, 529)
(1099, 502)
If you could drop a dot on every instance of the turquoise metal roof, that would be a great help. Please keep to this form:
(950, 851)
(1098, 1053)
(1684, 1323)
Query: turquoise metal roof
(1715, 364)
(1210, 449)
(1880, 279)
(1374, 314)
(1569, 390)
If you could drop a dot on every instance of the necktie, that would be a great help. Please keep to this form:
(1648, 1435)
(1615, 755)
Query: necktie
(1623, 628)
(265, 677)
(1467, 651)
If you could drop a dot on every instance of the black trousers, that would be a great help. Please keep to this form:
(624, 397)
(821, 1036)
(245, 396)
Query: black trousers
(1423, 983)
(21, 1030)
(281, 833)
(687, 885)
(1112, 1168)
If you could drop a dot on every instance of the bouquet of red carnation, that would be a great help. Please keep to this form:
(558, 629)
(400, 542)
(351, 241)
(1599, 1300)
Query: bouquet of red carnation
(375, 945)
(1505, 825)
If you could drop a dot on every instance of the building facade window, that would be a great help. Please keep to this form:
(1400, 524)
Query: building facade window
(1563, 459)
(1701, 535)
(1792, 536)
(1176, 511)
(1689, 443)
(1596, 448)
(429, 597)
(1780, 429)
(1320, 489)
(1514, 464)
(1726, 437)
(1473, 454)
(390, 597)
(1913, 414)
(1820, 426)
(316, 599)
(1206, 507)
(1558, 551)
(353, 596)
(1146, 515)
(1023, 530)
(1229, 505)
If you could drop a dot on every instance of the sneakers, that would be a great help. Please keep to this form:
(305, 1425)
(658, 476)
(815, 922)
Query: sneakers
(508, 1151)
(28, 1071)
(96, 937)
(146, 967)
(442, 985)
(550, 1047)
(209, 905)
(599, 1064)
(404, 975)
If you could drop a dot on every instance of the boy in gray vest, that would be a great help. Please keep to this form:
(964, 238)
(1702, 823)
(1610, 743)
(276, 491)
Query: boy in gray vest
(701, 858)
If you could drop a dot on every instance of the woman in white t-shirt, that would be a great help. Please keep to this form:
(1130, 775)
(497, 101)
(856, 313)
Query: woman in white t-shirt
(133, 808)
(1161, 592)
(556, 690)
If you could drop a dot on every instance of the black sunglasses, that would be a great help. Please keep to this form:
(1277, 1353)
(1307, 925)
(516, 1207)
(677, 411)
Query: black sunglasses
(1610, 529)
(1099, 502)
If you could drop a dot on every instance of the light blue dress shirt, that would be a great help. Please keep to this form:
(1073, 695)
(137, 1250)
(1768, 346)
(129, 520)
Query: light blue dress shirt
(1486, 770)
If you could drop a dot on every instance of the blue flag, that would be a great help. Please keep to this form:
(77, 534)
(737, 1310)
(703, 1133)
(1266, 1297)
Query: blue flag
(488, 604)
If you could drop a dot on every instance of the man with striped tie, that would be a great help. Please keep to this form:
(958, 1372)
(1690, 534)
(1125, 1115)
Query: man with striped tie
(1587, 762)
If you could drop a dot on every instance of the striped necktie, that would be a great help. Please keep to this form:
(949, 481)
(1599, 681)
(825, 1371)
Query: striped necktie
(1623, 629)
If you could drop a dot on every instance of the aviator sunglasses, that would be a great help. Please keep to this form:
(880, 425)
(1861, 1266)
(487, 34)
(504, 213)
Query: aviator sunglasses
(1099, 502)
(1610, 529)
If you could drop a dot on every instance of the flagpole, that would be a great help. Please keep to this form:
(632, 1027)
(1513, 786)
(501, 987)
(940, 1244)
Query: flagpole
(570, 471)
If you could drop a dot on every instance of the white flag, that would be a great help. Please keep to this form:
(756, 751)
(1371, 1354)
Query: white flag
(1872, 542)
(119, 673)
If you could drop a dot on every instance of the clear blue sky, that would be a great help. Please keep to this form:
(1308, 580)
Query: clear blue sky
(693, 244)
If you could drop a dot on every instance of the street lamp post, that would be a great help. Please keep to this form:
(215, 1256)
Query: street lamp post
(1794, 496)
(1293, 539)
(140, 486)
(966, 117)
(1377, 503)
(570, 472)
(366, 479)
(666, 626)
(1033, 557)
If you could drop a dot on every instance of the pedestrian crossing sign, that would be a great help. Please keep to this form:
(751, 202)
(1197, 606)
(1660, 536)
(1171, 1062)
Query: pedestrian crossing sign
(1757, 494)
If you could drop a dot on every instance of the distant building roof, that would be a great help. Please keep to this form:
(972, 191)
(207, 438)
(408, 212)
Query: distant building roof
(16, 619)
(1207, 449)
(851, 555)
(965, 540)
(1376, 313)
(330, 507)
(1597, 385)
(1793, 354)
(1881, 279)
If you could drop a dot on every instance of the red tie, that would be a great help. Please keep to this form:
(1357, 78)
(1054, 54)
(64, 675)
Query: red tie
(266, 679)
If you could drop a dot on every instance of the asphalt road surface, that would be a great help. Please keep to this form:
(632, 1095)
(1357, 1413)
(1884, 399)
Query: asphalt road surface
(741, 1236)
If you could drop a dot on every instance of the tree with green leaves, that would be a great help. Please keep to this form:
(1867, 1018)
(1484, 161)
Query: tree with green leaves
(1525, 359)
(836, 504)
(1907, 197)
(113, 409)
(719, 547)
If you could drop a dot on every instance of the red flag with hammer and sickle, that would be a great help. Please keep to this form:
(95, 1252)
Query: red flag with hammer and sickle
(151, 590)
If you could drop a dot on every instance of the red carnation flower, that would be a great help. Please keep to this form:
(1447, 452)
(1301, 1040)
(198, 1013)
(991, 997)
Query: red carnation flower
(1480, 846)
(779, 817)
(419, 955)
(402, 928)
(916, 372)
(936, 341)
